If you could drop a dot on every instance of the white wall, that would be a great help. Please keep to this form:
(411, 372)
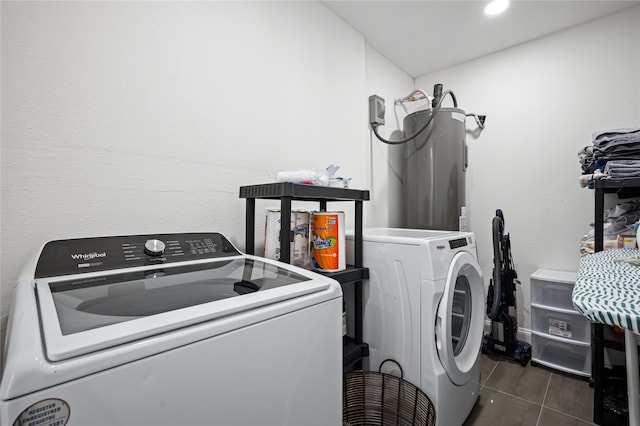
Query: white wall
(543, 100)
(383, 161)
(146, 117)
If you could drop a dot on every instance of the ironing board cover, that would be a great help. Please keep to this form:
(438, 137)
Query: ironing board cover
(607, 291)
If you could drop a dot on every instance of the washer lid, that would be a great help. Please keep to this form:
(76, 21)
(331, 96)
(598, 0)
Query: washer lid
(92, 312)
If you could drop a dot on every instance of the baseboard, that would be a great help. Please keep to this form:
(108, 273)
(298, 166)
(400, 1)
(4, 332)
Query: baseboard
(524, 334)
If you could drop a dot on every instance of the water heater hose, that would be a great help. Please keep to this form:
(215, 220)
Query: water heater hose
(411, 97)
(436, 109)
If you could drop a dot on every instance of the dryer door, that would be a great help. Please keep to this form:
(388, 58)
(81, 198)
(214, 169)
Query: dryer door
(459, 324)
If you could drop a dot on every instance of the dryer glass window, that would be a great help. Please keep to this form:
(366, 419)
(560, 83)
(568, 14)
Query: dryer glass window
(460, 314)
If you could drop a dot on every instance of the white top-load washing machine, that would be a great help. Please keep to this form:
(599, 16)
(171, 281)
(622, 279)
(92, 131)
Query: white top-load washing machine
(172, 329)
(424, 309)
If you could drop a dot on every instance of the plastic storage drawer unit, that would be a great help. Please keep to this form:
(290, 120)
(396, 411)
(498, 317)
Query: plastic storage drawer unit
(560, 336)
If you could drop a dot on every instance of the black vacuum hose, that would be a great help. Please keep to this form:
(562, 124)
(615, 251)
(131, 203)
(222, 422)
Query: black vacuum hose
(495, 298)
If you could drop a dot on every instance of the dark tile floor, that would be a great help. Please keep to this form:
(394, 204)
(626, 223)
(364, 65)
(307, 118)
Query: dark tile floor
(530, 396)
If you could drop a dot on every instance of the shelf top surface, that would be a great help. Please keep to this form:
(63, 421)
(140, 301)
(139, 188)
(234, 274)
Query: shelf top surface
(302, 192)
(564, 277)
(613, 184)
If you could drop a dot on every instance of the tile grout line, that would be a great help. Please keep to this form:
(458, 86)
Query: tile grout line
(514, 396)
(569, 415)
(544, 399)
(489, 375)
(541, 405)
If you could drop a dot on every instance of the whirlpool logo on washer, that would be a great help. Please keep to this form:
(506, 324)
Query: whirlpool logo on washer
(88, 256)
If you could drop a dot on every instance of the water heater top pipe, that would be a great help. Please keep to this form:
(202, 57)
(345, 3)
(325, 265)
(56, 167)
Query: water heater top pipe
(479, 119)
(436, 109)
(411, 97)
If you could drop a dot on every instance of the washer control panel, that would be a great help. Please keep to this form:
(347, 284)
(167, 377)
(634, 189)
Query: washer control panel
(77, 256)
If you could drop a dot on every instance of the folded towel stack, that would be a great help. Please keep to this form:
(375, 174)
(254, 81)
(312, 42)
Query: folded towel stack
(618, 220)
(613, 153)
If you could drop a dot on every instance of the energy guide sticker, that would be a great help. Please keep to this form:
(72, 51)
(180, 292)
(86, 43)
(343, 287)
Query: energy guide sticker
(48, 412)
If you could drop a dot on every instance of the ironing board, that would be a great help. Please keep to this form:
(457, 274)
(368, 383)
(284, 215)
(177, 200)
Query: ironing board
(608, 292)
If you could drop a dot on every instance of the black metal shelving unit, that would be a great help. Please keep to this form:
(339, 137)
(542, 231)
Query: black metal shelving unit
(602, 335)
(354, 349)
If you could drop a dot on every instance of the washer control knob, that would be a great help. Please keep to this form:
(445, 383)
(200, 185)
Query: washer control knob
(154, 247)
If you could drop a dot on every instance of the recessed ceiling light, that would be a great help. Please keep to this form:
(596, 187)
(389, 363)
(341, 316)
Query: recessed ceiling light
(496, 7)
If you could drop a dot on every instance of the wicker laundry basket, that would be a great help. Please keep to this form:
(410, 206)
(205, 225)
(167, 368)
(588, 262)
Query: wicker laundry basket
(375, 399)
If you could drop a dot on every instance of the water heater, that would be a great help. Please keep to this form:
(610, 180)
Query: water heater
(434, 169)
(434, 159)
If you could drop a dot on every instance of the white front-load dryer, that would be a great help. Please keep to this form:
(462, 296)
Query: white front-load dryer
(424, 309)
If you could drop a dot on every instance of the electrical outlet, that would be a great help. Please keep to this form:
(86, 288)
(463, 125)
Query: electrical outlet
(376, 110)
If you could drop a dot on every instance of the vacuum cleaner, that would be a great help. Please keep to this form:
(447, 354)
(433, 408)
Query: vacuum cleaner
(501, 300)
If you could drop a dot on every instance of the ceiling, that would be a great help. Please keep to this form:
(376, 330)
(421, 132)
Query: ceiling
(425, 36)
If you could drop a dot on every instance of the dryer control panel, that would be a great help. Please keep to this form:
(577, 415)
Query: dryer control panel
(78, 256)
(457, 243)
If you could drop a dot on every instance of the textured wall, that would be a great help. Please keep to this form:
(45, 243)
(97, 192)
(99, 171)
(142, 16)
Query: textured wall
(145, 117)
(543, 100)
